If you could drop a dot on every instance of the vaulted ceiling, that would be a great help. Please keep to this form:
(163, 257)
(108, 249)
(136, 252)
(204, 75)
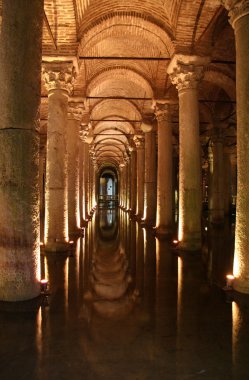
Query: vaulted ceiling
(124, 48)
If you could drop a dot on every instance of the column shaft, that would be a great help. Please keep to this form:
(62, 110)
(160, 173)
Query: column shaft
(73, 177)
(150, 179)
(56, 214)
(164, 173)
(20, 72)
(239, 12)
(140, 179)
(189, 171)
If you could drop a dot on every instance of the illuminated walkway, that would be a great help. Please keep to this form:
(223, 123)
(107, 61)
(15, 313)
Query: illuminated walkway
(162, 317)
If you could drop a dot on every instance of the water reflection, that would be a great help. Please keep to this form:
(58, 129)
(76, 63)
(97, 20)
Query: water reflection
(125, 306)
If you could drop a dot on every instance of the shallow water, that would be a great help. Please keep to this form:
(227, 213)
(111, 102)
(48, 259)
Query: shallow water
(125, 306)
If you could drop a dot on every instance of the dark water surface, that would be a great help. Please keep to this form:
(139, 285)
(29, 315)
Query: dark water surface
(125, 306)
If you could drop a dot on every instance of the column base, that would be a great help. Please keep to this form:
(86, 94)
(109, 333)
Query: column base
(57, 246)
(241, 286)
(84, 223)
(147, 223)
(76, 233)
(189, 245)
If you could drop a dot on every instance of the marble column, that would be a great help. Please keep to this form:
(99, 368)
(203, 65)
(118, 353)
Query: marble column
(73, 142)
(149, 216)
(58, 77)
(185, 73)
(216, 178)
(164, 170)
(20, 86)
(239, 18)
(139, 142)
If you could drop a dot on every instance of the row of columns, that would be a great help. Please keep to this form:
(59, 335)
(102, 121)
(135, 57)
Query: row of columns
(67, 177)
(19, 161)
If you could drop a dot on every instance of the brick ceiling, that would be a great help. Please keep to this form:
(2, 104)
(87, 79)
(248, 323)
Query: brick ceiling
(124, 48)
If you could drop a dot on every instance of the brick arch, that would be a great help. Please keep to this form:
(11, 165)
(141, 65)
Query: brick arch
(221, 79)
(112, 26)
(122, 126)
(115, 79)
(121, 108)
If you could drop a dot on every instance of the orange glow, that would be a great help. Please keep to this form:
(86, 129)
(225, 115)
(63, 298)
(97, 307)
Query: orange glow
(179, 288)
(236, 317)
(41, 243)
(230, 279)
(175, 241)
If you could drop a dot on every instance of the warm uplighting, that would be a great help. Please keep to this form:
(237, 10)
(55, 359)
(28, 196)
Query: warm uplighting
(175, 241)
(206, 228)
(71, 242)
(229, 280)
(41, 243)
(44, 285)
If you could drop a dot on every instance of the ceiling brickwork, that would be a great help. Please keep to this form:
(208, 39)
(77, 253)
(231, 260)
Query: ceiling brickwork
(123, 48)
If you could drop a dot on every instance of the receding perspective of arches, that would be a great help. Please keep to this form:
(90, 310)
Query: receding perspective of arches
(124, 189)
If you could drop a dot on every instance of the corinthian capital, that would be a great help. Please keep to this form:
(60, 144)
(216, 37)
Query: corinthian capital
(236, 9)
(58, 75)
(186, 71)
(162, 111)
(75, 110)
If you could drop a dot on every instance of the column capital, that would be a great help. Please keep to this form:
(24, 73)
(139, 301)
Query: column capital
(58, 75)
(75, 110)
(186, 71)
(162, 111)
(236, 9)
(139, 141)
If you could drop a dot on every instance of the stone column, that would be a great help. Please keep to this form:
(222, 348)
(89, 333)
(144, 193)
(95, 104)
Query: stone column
(149, 216)
(239, 18)
(121, 185)
(133, 182)
(185, 73)
(86, 182)
(233, 170)
(127, 185)
(164, 170)
(20, 72)
(139, 142)
(216, 178)
(81, 180)
(73, 126)
(227, 182)
(58, 77)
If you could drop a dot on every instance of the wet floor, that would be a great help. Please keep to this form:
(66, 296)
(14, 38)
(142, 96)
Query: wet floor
(125, 306)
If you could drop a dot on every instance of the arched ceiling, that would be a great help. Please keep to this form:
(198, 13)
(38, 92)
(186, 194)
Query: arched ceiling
(123, 49)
